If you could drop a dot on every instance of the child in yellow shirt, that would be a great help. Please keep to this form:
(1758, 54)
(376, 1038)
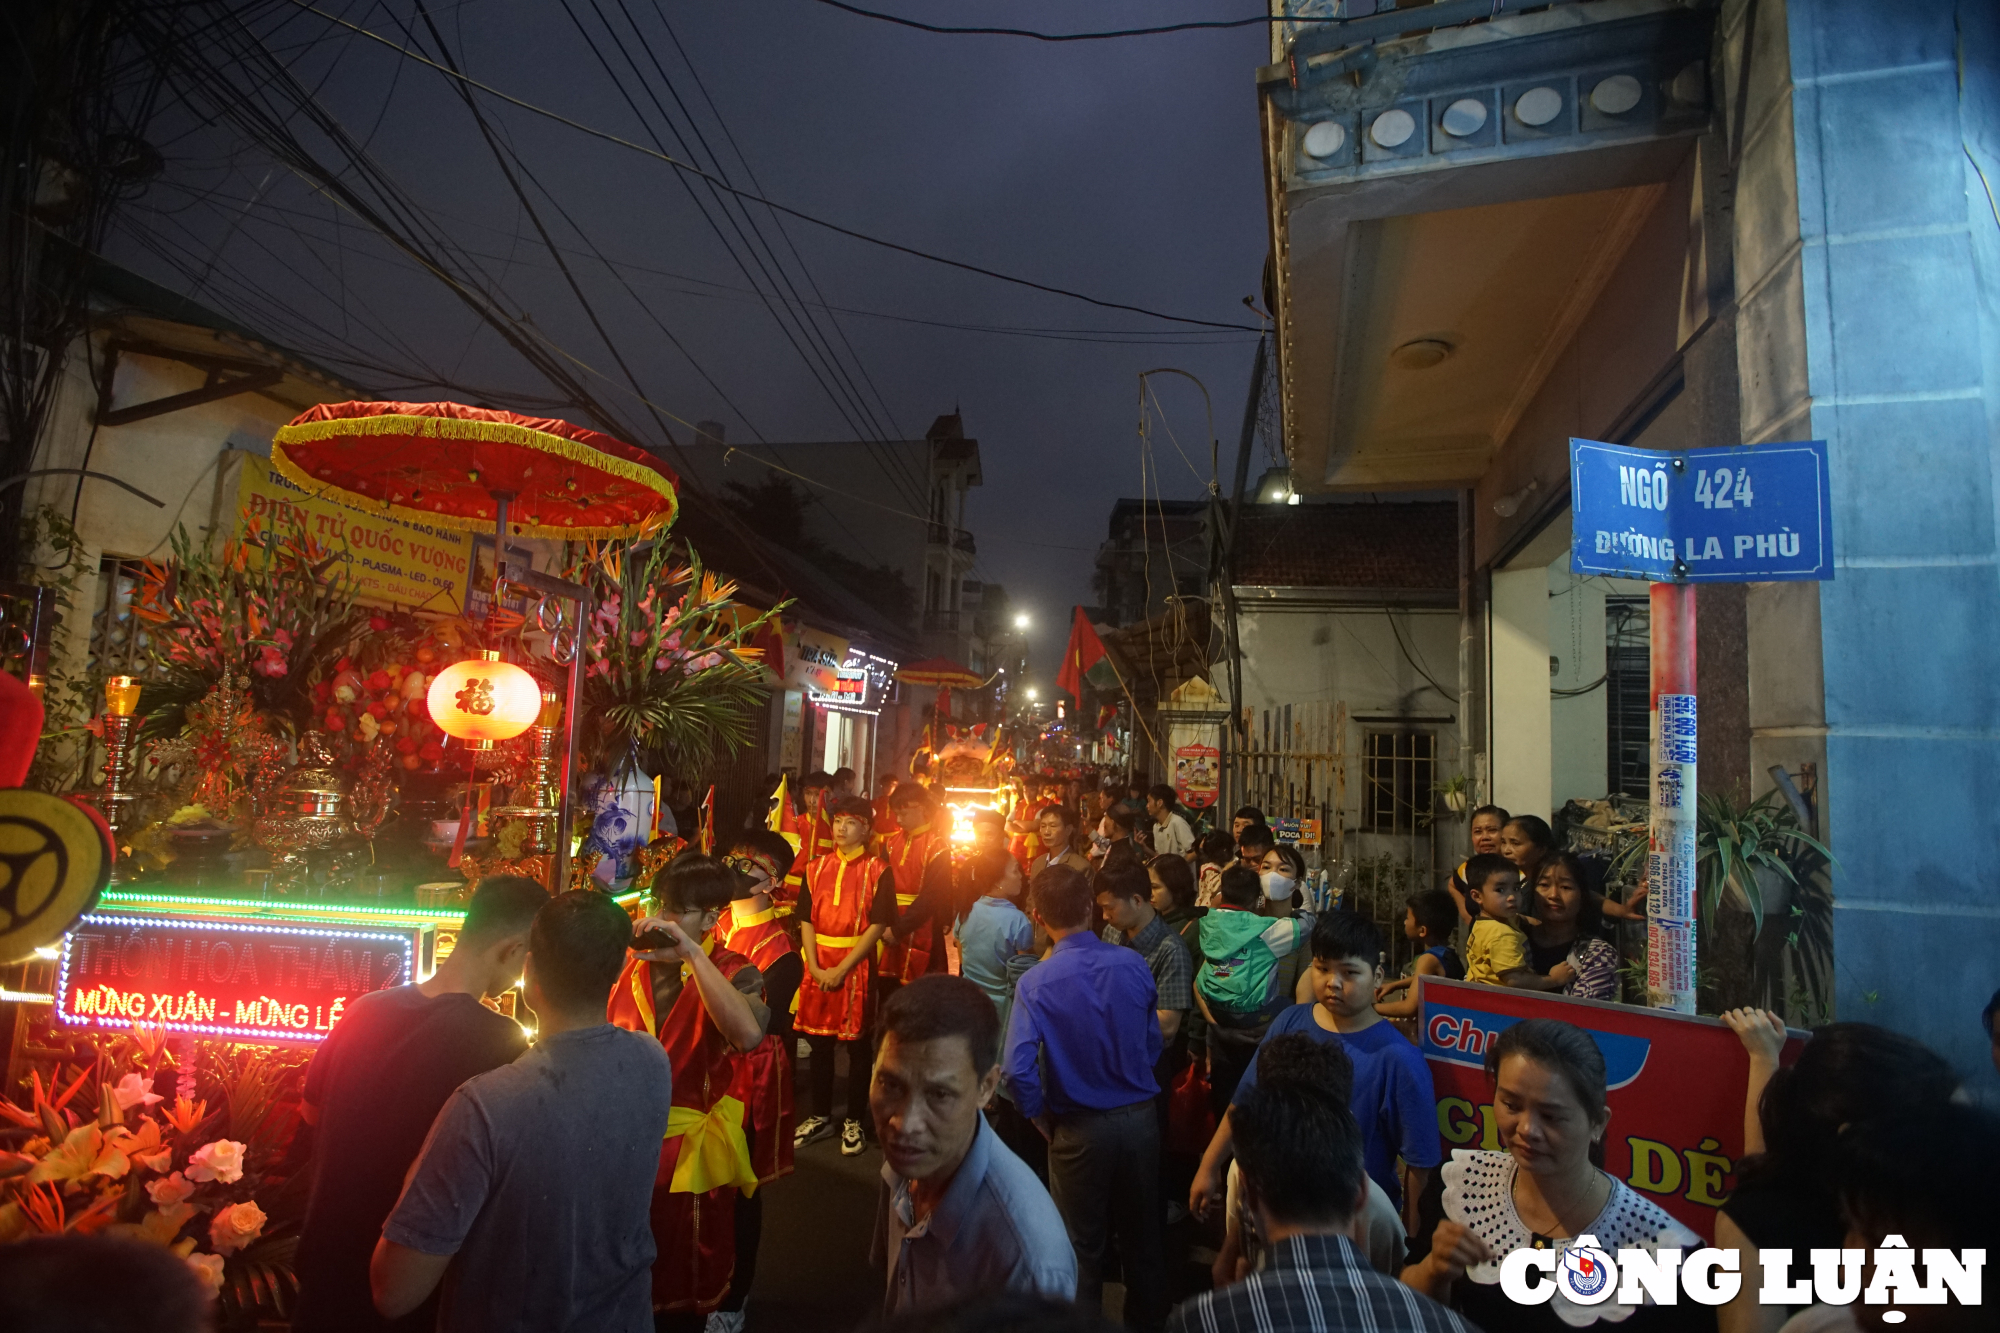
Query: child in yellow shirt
(1497, 945)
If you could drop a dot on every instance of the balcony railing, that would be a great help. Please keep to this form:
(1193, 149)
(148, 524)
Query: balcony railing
(943, 534)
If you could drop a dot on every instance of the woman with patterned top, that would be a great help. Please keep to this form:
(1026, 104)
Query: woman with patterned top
(1567, 949)
(1546, 1191)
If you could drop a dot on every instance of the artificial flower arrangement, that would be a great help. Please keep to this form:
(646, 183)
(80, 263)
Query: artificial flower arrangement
(212, 1186)
(267, 611)
(670, 673)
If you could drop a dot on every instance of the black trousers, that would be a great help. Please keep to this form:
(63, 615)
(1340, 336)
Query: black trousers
(858, 1069)
(1020, 1135)
(1104, 1175)
(749, 1234)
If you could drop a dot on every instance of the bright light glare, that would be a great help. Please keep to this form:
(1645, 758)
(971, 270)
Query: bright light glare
(1021, 622)
(1033, 694)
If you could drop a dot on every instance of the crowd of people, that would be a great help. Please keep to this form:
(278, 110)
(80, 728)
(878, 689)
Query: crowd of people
(1088, 1024)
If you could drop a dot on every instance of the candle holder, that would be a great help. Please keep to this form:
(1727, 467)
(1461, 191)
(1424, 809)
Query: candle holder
(543, 791)
(121, 727)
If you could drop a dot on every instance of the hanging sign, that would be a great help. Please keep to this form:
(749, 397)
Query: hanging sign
(1738, 515)
(243, 981)
(1295, 832)
(813, 659)
(1197, 775)
(1676, 1085)
(389, 561)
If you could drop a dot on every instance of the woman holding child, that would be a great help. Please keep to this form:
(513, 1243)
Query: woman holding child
(1567, 951)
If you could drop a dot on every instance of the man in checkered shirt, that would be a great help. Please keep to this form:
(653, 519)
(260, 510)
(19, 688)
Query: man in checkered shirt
(1299, 1152)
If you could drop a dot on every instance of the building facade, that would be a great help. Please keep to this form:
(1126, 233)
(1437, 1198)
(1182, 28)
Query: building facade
(1679, 225)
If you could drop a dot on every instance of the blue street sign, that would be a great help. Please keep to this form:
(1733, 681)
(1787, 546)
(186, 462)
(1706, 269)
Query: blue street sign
(1738, 515)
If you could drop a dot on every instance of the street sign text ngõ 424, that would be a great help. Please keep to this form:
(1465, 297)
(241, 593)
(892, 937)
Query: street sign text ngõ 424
(1734, 515)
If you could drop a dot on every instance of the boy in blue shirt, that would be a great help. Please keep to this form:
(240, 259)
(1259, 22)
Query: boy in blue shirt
(995, 928)
(1393, 1099)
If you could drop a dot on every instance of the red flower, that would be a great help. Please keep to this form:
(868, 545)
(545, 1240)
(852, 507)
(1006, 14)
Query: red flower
(323, 691)
(344, 664)
(377, 711)
(378, 623)
(404, 745)
(335, 720)
(378, 680)
(433, 751)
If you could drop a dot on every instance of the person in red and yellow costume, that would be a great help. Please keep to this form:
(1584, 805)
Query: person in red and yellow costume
(919, 853)
(751, 926)
(848, 902)
(816, 800)
(706, 1005)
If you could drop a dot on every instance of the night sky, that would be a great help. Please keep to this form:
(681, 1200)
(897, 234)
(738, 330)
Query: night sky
(1127, 169)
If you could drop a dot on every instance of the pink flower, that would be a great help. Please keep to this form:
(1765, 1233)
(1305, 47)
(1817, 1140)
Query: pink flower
(636, 637)
(221, 1160)
(207, 1267)
(174, 1189)
(236, 1226)
(270, 662)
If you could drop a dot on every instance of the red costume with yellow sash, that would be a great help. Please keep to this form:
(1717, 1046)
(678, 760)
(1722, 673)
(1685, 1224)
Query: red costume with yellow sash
(910, 854)
(843, 889)
(728, 1130)
(760, 937)
(812, 839)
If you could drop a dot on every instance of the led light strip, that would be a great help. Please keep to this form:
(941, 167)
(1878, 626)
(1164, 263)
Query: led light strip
(131, 899)
(224, 1030)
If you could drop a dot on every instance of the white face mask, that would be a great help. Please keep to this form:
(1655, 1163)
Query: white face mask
(1278, 885)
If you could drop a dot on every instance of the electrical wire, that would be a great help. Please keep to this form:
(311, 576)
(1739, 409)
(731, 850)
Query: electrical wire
(1192, 26)
(721, 184)
(743, 267)
(833, 376)
(729, 292)
(1410, 657)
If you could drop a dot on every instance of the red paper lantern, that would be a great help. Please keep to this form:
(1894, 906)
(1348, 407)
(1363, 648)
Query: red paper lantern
(484, 700)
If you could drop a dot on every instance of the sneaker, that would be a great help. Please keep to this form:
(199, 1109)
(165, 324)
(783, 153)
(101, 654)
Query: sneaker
(811, 1130)
(724, 1321)
(851, 1142)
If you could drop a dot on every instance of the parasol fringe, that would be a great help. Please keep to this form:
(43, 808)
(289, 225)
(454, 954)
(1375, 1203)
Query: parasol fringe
(457, 428)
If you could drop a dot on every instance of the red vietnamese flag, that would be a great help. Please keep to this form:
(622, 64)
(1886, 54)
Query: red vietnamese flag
(1083, 658)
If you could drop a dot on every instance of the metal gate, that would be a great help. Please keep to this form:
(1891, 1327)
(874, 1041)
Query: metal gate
(1296, 766)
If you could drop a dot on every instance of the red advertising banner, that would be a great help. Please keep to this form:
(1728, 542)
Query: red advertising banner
(1197, 775)
(1676, 1085)
(246, 982)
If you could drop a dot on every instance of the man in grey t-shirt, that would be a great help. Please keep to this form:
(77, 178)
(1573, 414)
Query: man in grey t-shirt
(535, 1185)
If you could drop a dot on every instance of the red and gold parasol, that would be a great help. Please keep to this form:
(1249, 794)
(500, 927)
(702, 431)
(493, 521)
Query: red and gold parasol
(462, 467)
(942, 672)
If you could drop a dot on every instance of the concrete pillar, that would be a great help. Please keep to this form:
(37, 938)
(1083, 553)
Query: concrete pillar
(1868, 283)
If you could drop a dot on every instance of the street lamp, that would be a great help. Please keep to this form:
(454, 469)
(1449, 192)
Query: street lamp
(1021, 621)
(1033, 694)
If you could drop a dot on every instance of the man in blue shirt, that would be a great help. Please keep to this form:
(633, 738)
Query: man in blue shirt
(960, 1216)
(1088, 1014)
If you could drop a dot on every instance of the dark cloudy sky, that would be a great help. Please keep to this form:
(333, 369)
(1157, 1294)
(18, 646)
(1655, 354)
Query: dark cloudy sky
(1127, 169)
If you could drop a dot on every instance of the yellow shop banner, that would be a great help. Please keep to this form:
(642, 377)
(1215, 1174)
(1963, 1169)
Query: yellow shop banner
(391, 562)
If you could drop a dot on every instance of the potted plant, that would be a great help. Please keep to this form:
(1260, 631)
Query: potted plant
(1456, 791)
(1743, 853)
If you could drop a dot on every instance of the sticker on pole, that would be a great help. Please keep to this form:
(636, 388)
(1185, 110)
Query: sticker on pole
(1739, 515)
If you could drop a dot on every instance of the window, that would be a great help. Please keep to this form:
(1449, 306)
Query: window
(1398, 768)
(118, 641)
(1628, 705)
